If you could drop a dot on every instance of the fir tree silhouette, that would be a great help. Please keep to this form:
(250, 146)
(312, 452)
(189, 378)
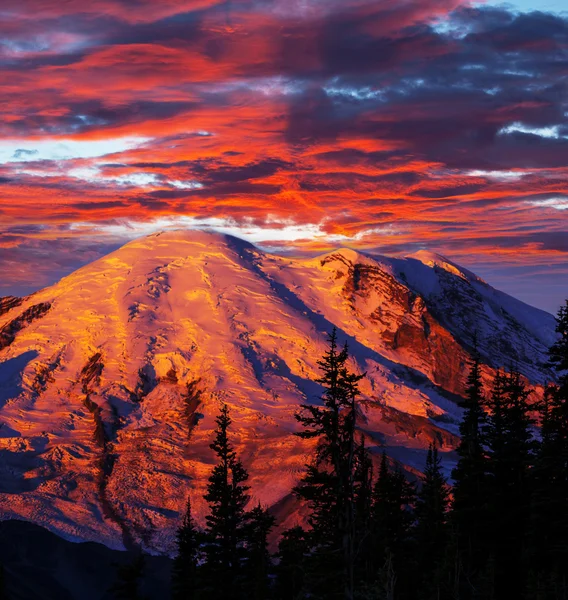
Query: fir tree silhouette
(224, 536)
(293, 554)
(185, 584)
(329, 483)
(470, 500)
(432, 530)
(258, 562)
(510, 455)
(549, 527)
(392, 518)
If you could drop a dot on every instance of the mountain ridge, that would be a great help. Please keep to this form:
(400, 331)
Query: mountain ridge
(108, 394)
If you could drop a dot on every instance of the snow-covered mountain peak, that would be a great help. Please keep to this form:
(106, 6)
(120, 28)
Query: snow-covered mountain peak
(344, 260)
(185, 244)
(196, 238)
(432, 259)
(345, 255)
(110, 379)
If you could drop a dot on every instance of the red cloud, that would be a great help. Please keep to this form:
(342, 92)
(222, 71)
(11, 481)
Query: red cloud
(356, 117)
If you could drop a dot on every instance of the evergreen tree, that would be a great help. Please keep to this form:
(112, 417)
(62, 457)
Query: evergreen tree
(510, 454)
(225, 533)
(258, 562)
(293, 551)
(363, 505)
(128, 580)
(328, 485)
(432, 531)
(558, 354)
(185, 584)
(549, 552)
(362, 489)
(392, 517)
(469, 506)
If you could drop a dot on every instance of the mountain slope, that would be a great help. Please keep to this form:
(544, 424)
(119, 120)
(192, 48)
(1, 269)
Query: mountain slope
(110, 379)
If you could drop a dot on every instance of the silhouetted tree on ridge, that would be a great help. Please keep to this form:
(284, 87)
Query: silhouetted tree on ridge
(185, 581)
(510, 455)
(470, 500)
(329, 483)
(432, 534)
(549, 528)
(224, 536)
(500, 532)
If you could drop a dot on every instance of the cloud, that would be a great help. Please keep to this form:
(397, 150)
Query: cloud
(555, 203)
(11, 151)
(388, 126)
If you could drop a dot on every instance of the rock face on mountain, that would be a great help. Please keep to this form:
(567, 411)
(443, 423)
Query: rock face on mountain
(110, 380)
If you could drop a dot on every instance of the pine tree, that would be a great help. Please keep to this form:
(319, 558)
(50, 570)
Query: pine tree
(470, 499)
(225, 533)
(558, 354)
(549, 552)
(128, 580)
(363, 505)
(185, 583)
(292, 556)
(510, 454)
(392, 517)
(431, 532)
(328, 485)
(387, 581)
(362, 488)
(258, 562)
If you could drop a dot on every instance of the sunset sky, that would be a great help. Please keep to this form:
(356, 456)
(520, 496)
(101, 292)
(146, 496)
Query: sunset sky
(302, 125)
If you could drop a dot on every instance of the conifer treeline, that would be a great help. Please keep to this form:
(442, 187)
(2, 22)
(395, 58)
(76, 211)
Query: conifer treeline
(500, 533)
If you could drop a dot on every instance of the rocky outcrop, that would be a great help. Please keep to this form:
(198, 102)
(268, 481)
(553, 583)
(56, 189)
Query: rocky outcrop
(9, 302)
(10, 330)
(90, 375)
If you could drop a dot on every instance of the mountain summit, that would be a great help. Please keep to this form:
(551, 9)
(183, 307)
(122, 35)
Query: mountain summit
(111, 378)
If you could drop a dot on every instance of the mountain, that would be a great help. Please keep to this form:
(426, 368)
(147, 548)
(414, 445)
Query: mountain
(110, 379)
(39, 564)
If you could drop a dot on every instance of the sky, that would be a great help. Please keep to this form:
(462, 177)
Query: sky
(301, 125)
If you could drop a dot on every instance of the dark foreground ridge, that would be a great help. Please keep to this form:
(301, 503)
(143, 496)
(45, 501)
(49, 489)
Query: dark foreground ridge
(39, 564)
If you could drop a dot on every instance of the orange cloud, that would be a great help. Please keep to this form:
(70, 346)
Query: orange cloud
(373, 125)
